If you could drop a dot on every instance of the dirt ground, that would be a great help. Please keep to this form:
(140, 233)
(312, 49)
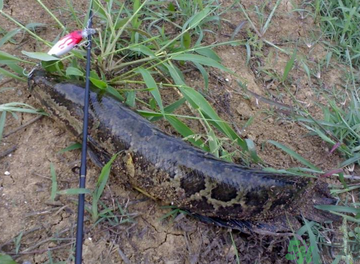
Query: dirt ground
(25, 183)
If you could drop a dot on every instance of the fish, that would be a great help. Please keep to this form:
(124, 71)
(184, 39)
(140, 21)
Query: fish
(171, 170)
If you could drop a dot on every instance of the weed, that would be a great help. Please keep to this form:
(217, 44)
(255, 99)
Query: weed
(339, 22)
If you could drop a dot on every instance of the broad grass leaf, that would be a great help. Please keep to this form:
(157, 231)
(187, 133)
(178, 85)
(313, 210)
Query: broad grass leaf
(175, 73)
(16, 68)
(170, 108)
(72, 71)
(207, 52)
(39, 56)
(11, 75)
(144, 50)
(186, 132)
(98, 83)
(198, 17)
(4, 56)
(202, 60)
(150, 83)
(199, 102)
(115, 93)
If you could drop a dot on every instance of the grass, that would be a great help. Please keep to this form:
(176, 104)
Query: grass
(339, 22)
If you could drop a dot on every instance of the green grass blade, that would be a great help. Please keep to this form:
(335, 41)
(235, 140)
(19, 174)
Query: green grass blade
(199, 102)
(294, 155)
(198, 17)
(338, 208)
(289, 66)
(71, 147)
(313, 244)
(54, 185)
(186, 132)
(267, 23)
(11, 75)
(100, 186)
(204, 74)
(74, 191)
(2, 124)
(209, 53)
(8, 36)
(202, 60)
(350, 161)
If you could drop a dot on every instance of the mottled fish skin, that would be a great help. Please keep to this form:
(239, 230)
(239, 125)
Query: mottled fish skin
(166, 167)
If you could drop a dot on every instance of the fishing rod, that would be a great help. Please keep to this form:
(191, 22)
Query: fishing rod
(64, 45)
(81, 201)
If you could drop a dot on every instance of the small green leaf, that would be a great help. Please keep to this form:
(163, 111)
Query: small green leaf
(5, 259)
(130, 98)
(98, 83)
(4, 56)
(186, 40)
(39, 56)
(115, 93)
(1, 8)
(171, 7)
(52, 66)
(8, 36)
(75, 191)
(72, 71)
(71, 147)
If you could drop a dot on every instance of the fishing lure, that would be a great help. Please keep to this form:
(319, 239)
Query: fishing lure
(70, 41)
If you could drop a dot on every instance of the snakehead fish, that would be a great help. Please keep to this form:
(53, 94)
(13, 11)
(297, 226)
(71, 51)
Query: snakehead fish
(169, 169)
